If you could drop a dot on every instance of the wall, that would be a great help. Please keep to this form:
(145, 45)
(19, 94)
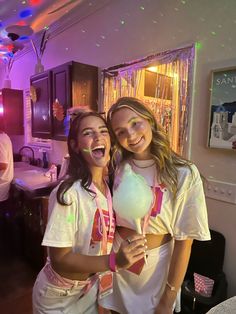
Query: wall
(127, 30)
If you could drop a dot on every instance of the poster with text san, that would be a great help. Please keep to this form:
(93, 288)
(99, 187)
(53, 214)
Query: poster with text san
(222, 126)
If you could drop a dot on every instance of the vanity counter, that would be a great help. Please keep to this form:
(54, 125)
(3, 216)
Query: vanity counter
(32, 180)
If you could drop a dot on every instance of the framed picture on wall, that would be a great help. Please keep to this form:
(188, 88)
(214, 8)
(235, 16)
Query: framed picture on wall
(222, 124)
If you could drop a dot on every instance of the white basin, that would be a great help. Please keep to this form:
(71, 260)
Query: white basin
(30, 177)
(33, 171)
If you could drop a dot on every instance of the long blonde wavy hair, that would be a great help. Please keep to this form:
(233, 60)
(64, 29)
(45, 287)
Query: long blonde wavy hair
(167, 161)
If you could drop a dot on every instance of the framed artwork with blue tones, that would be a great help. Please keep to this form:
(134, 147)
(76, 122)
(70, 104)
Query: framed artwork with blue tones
(222, 122)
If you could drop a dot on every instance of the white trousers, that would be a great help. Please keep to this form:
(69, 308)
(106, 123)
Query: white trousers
(50, 299)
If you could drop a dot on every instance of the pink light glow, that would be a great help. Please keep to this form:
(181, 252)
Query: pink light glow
(35, 2)
(21, 23)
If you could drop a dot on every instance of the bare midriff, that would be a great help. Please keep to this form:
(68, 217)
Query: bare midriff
(153, 240)
(76, 276)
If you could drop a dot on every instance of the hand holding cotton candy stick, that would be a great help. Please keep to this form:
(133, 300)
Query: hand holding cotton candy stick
(133, 197)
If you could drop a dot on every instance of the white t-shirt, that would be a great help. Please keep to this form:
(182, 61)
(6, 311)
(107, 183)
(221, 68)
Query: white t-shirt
(78, 225)
(6, 157)
(186, 217)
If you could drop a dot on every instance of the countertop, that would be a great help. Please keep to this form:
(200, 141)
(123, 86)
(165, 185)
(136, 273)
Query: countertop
(32, 179)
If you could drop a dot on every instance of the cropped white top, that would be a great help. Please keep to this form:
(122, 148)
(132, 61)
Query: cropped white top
(185, 217)
(78, 225)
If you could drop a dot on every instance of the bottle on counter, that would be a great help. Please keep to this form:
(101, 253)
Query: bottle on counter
(45, 161)
(53, 173)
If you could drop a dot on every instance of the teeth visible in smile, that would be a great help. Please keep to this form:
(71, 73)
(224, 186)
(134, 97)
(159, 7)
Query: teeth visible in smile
(99, 147)
(99, 151)
(136, 142)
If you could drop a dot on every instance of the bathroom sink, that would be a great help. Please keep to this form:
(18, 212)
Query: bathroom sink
(31, 179)
(33, 171)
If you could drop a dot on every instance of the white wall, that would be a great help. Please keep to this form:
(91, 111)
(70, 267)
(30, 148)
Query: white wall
(102, 40)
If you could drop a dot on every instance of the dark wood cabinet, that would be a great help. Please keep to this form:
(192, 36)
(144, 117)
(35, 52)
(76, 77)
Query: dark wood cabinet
(27, 217)
(41, 117)
(71, 84)
(11, 101)
(35, 220)
(33, 250)
(61, 92)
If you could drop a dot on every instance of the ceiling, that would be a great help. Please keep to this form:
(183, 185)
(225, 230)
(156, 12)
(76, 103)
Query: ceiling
(23, 20)
(41, 12)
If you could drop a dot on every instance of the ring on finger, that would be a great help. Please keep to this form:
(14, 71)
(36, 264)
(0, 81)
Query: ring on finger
(128, 240)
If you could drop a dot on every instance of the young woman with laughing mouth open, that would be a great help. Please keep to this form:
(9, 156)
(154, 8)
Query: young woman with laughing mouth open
(80, 229)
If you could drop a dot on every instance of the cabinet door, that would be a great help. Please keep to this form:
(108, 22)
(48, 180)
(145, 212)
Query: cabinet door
(84, 85)
(12, 103)
(61, 91)
(41, 107)
(33, 237)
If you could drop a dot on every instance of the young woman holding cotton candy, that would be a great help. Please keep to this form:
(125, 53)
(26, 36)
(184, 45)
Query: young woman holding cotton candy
(175, 213)
(81, 226)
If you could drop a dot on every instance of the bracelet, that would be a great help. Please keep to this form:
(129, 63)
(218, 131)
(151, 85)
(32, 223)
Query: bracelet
(112, 261)
(172, 288)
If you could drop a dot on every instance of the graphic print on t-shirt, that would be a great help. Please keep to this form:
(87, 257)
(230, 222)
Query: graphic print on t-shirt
(156, 208)
(96, 236)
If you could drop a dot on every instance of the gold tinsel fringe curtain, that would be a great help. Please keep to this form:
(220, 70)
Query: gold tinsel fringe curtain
(171, 102)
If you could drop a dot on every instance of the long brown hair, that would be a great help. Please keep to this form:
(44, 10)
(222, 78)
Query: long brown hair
(167, 161)
(78, 168)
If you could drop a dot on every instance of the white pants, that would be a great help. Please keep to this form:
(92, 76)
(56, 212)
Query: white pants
(50, 299)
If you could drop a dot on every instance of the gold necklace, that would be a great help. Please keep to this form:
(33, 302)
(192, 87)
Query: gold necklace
(142, 167)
